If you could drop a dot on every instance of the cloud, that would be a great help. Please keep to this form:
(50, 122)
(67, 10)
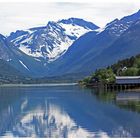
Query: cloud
(23, 15)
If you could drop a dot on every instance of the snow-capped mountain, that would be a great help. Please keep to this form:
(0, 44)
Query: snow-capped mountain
(92, 51)
(15, 58)
(69, 46)
(117, 27)
(51, 41)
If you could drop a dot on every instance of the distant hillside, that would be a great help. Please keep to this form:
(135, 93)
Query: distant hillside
(9, 74)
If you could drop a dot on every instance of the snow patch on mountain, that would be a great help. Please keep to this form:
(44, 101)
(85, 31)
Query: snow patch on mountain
(59, 50)
(27, 51)
(100, 30)
(23, 65)
(74, 30)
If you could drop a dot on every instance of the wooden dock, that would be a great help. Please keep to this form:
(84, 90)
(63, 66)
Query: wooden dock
(113, 87)
(121, 86)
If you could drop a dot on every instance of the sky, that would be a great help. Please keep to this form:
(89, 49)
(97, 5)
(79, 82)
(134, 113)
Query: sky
(24, 14)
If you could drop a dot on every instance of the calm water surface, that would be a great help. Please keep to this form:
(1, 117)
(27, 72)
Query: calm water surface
(68, 111)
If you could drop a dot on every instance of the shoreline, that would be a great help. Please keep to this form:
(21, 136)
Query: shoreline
(110, 88)
(38, 85)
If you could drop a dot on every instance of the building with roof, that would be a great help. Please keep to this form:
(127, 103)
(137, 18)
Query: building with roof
(127, 79)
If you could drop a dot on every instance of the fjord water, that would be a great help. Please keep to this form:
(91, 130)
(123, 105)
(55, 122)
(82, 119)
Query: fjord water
(68, 111)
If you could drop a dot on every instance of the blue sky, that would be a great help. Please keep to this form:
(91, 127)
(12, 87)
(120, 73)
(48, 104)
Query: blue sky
(24, 14)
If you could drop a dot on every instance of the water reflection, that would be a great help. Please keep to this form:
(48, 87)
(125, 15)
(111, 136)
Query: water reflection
(129, 100)
(64, 112)
(27, 116)
(50, 122)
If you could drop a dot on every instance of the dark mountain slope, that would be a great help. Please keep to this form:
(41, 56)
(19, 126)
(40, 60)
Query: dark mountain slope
(126, 46)
(92, 51)
(9, 74)
(8, 70)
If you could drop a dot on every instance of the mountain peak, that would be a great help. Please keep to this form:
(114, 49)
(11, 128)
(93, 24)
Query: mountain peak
(119, 26)
(112, 22)
(70, 20)
(53, 24)
(79, 22)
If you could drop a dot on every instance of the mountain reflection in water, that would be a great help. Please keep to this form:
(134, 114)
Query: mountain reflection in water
(64, 112)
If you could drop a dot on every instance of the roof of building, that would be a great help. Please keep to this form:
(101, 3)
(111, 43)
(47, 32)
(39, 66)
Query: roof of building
(127, 77)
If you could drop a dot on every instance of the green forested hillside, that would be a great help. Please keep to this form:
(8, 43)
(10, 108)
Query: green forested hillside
(126, 67)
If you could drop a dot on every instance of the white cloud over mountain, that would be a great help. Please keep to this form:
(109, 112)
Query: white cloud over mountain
(25, 14)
